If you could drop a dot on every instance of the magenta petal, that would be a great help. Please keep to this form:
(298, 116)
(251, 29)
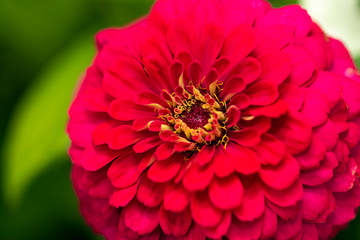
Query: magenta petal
(262, 93)
(123, 136)
(244, 160)
(163, 171)
(96, 157)
(292, 95)
(141, 219)
(122, 197)
(239, 42)
(205, 155)
(289, 229)
(287, 197)
(240, 100)
(146, 144)
(270, 224)
(247, 137)
(203, 211)
(198, 177)
(329, 84)
(270, 150)
(275, 67)
(294, 131)
(176, 224)
(281, 176)
(165, 150)
(316, 201)
(321, 174)
(221, 229)
(312, 156)
(176, 198)
(233, 116)
(223, 164)
(124, 171)
(253, 204)
(303, 66)
(126, 110)
(150, 193)
(245, 230)
(316, 107)
(226, 193)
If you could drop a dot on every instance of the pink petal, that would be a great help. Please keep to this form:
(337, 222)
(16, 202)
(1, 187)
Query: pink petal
(312, 156)
(198, 177)
(124, 171)
(303, 66)
(329, 84)
(100, 133)
(270, 224)
(351, 90)
(97, 100)
(124, 78)
(126, 110)
(289, 229)
(262, 93)
(96, 157)
(321, 174)
(150, 193)
(122, 197)
(292, 16)
(165, 150)
(292, 95)
(285, 198)
(273, 38)
(275, 67)
(123, 136)
(274, 110)
(247, 137)
(239, 42)
(232, 86)
(176, 198)
(141, 219)
(176, 224)
(310, 232)
(163, 171)
(223, 164)
(240, 100)
(221, 229)
(226, 193)
(203, 211)
(205, 155)
(244, 160)
(316, 201)
(270, 150)
(253, 204)
(233, 116)
(294, 131)
(281, 176)
(327, 134)
(316, 107)
(245, 230)
(146, 144)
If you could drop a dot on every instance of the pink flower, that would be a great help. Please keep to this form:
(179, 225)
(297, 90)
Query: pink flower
(212, 119)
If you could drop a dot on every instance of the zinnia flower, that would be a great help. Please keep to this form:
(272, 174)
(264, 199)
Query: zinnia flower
(221, 119)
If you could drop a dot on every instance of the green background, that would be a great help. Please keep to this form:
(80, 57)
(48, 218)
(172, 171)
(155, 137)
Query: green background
(44, 47)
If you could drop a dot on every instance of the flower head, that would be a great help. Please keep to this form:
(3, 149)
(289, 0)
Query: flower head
(212, 119)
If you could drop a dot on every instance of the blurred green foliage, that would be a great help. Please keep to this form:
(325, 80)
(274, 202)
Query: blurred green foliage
(44, 48)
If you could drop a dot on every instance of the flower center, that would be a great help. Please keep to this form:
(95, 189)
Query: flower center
(195, 115)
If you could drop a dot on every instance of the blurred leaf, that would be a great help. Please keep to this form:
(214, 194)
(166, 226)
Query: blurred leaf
(357, 62)
(281, 3)
(36, 134)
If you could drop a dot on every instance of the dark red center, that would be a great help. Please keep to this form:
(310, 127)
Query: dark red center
(196, 117)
